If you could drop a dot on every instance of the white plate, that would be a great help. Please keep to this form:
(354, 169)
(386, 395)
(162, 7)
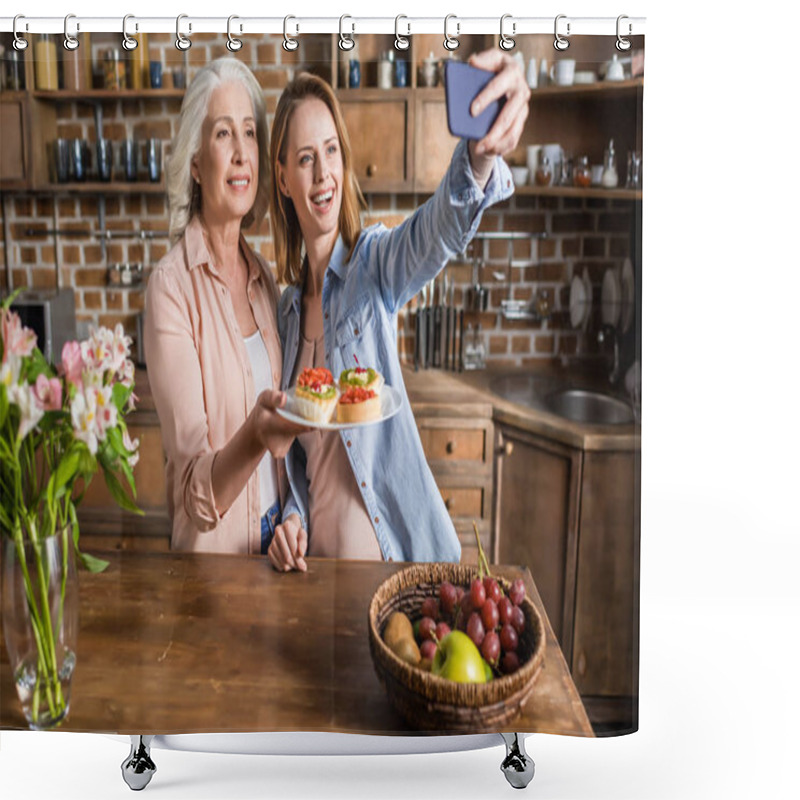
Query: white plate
(611, 296)
(588, 287)
(628, 296)
(391, 400)
(577, 302)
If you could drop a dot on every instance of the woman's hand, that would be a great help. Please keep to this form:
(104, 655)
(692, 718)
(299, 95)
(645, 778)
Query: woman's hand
(289, 545)
(509, 82)
(271, 430)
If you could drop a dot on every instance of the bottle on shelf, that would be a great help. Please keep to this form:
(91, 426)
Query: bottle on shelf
(610, 177)
(46, 65)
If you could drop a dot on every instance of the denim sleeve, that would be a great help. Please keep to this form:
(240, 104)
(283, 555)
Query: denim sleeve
(407, 257)
(296, 501)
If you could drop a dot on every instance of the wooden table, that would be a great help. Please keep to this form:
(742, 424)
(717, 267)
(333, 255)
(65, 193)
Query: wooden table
(190, 643)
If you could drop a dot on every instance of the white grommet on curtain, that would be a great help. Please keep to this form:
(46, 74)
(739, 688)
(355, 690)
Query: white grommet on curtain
(234, 45)
(19, 43)
(506, 42)
(70, 42)
(451, 42)
(290, 44)
(560, 42)
(623, 44)
(346, 42)
(401, 42)
(128, 42)
(181, 41)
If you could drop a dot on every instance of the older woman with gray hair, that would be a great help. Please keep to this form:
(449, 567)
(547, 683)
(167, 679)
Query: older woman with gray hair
(211, 335)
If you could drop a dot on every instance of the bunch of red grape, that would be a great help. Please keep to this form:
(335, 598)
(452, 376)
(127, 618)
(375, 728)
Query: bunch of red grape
(493, 620)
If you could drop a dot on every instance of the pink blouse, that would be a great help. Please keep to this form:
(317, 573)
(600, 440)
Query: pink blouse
(203, 389)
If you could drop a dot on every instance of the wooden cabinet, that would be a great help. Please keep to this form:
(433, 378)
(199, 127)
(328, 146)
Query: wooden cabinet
(460, 455)
(433, 143)
(572, 517)
(379, 124)
(26, 126)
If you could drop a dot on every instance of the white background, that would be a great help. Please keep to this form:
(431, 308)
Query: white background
(720, 603)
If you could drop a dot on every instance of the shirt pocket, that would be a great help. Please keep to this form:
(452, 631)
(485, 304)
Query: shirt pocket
(357, 321)
(356, 336)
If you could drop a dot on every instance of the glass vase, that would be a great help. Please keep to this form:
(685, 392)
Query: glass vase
(40, 622)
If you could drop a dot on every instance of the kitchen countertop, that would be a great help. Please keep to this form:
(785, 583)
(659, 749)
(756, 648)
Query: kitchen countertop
(467, 394)
(191, 642)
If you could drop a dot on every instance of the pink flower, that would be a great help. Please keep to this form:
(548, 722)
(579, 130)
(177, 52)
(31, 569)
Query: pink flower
(72, 363)
(48, 393)
(17, 341)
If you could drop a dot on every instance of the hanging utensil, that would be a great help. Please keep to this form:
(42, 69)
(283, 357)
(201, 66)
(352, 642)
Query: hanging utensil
(446, 315)
(423, 328)
(431, 321)
(417, 331)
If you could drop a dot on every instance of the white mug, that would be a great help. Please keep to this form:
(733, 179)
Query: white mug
(614, 70)
(532, 75)
(532, 159)
(562, 73)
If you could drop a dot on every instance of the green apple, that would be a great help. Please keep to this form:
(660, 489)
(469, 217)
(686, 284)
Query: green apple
(457, 659)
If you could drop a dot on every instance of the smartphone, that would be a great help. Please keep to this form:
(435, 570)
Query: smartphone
(462, 84)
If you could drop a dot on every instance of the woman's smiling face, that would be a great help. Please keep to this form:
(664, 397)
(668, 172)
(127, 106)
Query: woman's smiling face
(312, 172)
(226, 167)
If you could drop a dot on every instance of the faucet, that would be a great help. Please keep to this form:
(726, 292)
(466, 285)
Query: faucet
(610, 332)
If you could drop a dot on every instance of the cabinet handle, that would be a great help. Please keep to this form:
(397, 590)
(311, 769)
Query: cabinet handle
(506, 449)
(372, 170)
(582, 663)
(448, 504)
(450, 447)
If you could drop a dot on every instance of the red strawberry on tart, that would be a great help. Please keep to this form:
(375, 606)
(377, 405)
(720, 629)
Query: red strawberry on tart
(358, 404)
(315, 394)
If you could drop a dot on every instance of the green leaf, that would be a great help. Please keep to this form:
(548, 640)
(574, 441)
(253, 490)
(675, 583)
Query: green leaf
(92, 563)
(3, 405)
(120, 395)
(66, 471)
(118, 493)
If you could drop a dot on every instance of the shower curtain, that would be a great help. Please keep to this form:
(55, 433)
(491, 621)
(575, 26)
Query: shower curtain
(519, 363)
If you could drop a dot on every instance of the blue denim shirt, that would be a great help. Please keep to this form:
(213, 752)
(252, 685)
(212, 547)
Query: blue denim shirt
(360, 302)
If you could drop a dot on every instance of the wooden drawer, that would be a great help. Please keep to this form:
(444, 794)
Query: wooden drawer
(453, 444)
(463, 501)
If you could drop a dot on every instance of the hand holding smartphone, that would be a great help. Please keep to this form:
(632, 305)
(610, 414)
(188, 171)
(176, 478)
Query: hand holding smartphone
(463, 83)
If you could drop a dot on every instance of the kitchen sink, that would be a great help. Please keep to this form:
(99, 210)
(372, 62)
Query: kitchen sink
(593, 408)
(577, 404)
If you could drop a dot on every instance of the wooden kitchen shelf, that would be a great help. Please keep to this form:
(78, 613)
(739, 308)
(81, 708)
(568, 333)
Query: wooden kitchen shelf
(604, 88)
(101, 95)
(99, 187)
(571, 191)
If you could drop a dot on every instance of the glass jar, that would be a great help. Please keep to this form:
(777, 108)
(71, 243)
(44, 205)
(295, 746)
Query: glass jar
(610, 177)
(15, 71)
(46, 65)
(544, 173)
(113, 69)
(582, 173)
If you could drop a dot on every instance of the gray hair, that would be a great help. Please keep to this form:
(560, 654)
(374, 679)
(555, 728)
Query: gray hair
(182, 191)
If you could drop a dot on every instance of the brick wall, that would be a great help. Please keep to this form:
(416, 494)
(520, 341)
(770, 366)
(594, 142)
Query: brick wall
(580, 232)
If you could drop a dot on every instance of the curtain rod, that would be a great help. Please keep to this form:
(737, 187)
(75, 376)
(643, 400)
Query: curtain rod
(511, 25)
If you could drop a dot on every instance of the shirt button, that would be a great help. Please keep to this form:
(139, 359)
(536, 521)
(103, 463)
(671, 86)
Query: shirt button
(377, 520)
(326, 315)
(363, 485)
(356, 331)
(348, 443)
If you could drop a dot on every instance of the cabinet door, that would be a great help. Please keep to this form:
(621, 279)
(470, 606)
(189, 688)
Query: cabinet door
(536, 519)
(433, 144)
(378, 123)
(12, 153)
(605, 660)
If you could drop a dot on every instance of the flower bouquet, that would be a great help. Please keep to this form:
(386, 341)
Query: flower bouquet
(58, 426)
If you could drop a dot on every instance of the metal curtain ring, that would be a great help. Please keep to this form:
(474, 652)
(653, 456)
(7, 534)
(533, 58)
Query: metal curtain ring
(289, 43)
(451, 42)
(234, 45)
(128, 42)
(19, 43)
(346, 42)
(623, 44)
(401, 42)
(506, 42)
(181, 42)
(70, 42)
(560, 42)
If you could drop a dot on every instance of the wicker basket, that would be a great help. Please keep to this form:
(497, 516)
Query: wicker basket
(428, 702)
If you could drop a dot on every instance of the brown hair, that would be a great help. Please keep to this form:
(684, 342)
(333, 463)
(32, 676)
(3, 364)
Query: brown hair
(286, 233)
